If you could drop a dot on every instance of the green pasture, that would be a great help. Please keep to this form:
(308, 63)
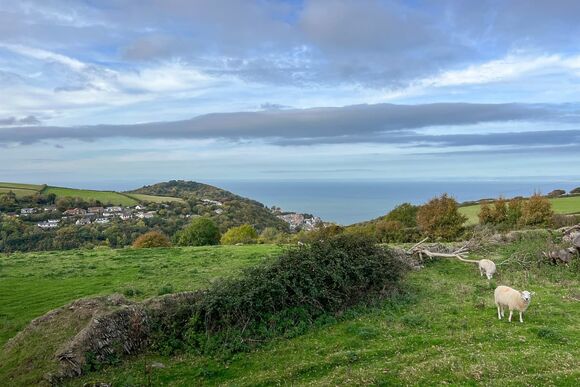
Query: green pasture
(105, 197)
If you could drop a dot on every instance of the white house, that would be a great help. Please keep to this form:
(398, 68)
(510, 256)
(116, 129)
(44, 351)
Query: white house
(101, 220)
(48, 224)
(114, 209)
(27, 211)
(83, 221)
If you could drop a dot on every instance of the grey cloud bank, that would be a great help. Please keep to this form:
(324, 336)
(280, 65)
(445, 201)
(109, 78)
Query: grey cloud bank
(358, 123)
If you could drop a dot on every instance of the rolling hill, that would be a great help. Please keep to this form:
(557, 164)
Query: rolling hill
(225, 208)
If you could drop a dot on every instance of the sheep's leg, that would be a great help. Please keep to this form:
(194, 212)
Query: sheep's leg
(521, 318)
(498, 312)
(502, 312)
(511, 313)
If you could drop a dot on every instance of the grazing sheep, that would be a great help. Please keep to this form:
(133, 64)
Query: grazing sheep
(512, 299)
(486, 266)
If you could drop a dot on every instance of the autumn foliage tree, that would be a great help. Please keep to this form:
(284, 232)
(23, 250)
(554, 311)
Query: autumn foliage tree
(537, 211)
(440, 218)
(151, 239)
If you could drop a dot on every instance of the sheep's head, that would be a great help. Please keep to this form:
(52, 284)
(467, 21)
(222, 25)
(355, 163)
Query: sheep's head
(527, 296)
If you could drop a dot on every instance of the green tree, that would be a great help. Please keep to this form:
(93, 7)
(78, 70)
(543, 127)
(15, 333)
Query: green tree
(485, 214)
(241, 234)
(201, 231)
(440, 218)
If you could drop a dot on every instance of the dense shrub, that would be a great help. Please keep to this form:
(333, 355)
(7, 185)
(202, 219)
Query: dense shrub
(151, 239)
(405, 213)
(245, 234)
(201, 231)
(440, 219)
(575, 191)
(537, 211)
(291, 292)
(389, 231)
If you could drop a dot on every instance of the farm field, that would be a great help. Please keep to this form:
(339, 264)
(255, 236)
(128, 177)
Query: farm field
(19, 189)
(105, 197)
(153, 198)
(31, 284)
(443, 328)
(565, 205)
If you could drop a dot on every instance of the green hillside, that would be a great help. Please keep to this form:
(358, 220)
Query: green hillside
(563, 205)
(442, 330)
(233, 210)
(19, 189)
(105, 197)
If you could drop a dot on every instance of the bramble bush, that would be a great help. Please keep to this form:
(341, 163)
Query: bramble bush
(283, 297)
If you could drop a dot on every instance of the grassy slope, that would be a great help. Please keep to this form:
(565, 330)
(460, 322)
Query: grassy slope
(31, 284)
(106, 197)
(153, 198)
(444, 331)
(566, 205)
(32, 187)
(19, 189)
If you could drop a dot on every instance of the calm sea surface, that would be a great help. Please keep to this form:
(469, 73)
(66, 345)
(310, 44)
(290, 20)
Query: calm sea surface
(350, 202)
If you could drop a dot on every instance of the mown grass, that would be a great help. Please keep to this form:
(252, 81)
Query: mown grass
(31, 284)
(442, 330)
(153, 198)
(565, 205)
(105, 197)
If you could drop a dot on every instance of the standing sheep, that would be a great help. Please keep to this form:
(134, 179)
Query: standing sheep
(513, 299)
(486, 266)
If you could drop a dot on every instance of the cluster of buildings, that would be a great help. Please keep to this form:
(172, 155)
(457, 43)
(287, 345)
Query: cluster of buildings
(301, 221)
(97, 215)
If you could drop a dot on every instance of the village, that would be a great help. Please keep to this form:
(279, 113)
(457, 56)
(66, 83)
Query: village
(82, 217)
(105, 214)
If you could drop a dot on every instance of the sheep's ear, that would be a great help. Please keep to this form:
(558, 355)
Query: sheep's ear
(532, 293)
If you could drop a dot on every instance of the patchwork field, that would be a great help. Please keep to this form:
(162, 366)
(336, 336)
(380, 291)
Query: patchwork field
(565, 205)
(443, 329)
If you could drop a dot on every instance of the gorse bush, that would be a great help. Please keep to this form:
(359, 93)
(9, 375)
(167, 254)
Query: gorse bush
(285, 296)
(151, 239)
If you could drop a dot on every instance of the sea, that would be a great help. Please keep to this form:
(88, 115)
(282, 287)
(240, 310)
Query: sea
(347, 202)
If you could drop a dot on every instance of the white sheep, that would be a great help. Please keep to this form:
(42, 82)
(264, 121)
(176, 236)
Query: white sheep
(512, 299)
(486, 266)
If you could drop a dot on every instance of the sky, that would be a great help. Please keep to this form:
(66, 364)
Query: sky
(126, 92)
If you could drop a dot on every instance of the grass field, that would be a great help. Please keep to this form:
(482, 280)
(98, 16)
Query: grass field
(19, 189)
(31, 284)
(153, 199)
(566, 205)
(443, 330)
(105, 197)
